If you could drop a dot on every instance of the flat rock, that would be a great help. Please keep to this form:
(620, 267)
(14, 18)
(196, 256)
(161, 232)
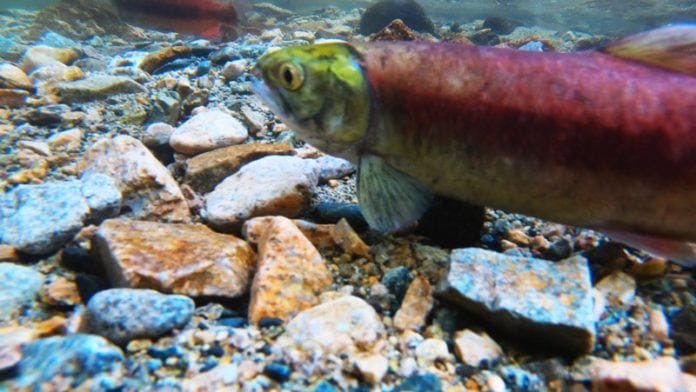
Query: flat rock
(662, 374)
(274, 185)
(208, 130)
(39, 219)
(320, 236)
(476, 349)
(13, 97)
(71, 358)
(532, 299)
(343, 325)
(14, 77)
(415, 307)
(41, 55)
(205, 171)
(147, 187)
(19, 286)
(154, 60)
(291, 273)
(174, 258)
(97, 87)
(122, 315)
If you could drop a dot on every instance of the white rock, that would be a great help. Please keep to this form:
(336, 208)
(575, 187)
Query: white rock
(618, 285)
(13, 77)
(372, 368)
(432, 350)
(206, 131)
(234, 68)
(473, 349)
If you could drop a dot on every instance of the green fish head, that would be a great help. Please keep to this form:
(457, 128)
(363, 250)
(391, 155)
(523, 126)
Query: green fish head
(319, 90)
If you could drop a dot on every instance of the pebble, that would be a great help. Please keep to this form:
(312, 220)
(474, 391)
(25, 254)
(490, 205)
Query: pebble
(147, 187)
(273, 185)
(71, 358)
(14, 78)
(205, 171)
(662, 374)
(13, 98)
(97, 87)
(344, 325)
(41, 55)
(19, 285)
(254, 119)
(345, 237)
(277, 371)
(331, 167)
(174, 258)
(38, 219)
(415, 306)
(208, 130)
(619, 286)
(122, 315)
(234, 68)
(157, 134)
(532, 299)
(475, 349)
(291, 273)
(372, 368)
(432, 350)
(60, 292)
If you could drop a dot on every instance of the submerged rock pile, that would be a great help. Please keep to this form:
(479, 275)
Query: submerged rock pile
(160, 229)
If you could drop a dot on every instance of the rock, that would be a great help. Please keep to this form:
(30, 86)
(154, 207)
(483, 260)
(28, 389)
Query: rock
(683, 326)
(381, 13)
(59, 291)
(291, 274)
(619, 286)
(97, 87)
(14, 78)
(662, 374)
(344, 325)
(397, 281)
(476, 349)
(331, 212)
(13, 98)
(8, 253)
(207, 131)
(319, 235)
(274, 185)
(152, 61)
(430, 351)
(415, 307)
(39, 56)
(532, 299)
(345, 237)
(233, 69)
(372, 368)
(147, 187)
(38, 219)
(174, 258)
(122, 315)
(19, 286)
(659, 326)
(426, 382)
(66, 141)
(205, 171)
(69, 358)
(11, 341)
(500, 25)
(331, 167)
(157, 134)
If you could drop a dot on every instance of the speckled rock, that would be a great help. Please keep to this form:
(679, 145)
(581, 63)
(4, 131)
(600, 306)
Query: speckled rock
(416, 305)
(174, 258)
(13, 77)
(40, 55)
(205, 171)
(208, 130)
(476, 349)
(274, 185)
(532, 299)
(38, 219)
(662, 374)
(122, 315)
(70, 358)
(320, 236)
(19, 285)
(291, 273)
(97, 87)
(148, 189)
(344, 325)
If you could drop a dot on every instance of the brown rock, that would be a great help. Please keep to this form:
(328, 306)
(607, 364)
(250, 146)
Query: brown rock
(206, 170)
(659, 326)
(416, 305)
(38, 56)
(157, 59)
(320, 235)
(174, 258)
(291, 273)
(660, 375)
(60, 292)
(13, 77)
(474, 349)
(148, 188)
(13, 98)
(8, 253)
(345, 237)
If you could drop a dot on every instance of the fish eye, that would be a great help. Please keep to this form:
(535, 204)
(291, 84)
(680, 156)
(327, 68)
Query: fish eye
(290, 76)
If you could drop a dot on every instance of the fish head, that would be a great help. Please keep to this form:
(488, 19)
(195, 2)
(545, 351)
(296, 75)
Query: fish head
(320, 91)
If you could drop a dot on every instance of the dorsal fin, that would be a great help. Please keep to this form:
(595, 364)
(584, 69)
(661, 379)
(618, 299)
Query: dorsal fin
(670, 47)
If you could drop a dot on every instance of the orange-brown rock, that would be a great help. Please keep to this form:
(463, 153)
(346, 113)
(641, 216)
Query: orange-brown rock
(12, 97)
(206, 170)
(320, 235)
(60, 292)
(345, 237)
(157, 59)
(291, 273)
(416, 305)
(174, 258)
(8, 253)
(38, 56)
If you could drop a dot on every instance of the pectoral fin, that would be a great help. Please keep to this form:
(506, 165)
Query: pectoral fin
(682, 253)
(390, 200)
(671, 47)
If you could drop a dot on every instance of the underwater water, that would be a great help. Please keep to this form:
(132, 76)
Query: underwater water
(309, 195)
